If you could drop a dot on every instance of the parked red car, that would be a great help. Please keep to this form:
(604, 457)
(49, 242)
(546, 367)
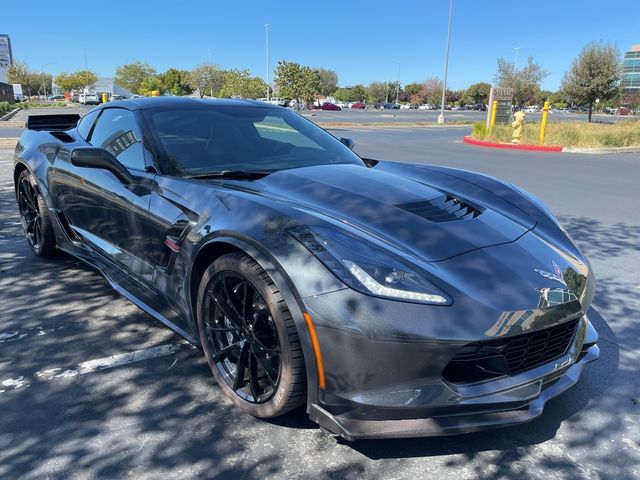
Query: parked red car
(624, 111)
(330, 106)
(358, 105)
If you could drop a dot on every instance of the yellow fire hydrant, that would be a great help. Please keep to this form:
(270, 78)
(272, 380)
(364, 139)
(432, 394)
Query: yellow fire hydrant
(518, 125)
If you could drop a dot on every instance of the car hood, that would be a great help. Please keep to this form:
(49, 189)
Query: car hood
(405, 210)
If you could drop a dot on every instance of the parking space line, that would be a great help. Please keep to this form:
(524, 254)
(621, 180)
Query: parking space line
(94, 365)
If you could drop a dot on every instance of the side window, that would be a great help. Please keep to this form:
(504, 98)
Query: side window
(86, 122)
(117, 132)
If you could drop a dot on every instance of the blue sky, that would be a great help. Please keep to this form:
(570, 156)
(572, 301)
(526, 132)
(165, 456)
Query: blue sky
(361, 40)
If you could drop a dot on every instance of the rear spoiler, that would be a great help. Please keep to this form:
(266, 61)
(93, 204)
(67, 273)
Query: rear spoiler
(52, 122)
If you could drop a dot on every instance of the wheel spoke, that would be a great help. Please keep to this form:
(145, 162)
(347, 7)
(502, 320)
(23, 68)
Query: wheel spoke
(29, 195)
(265, 368)
(254, 384)
(230, 294)
(264, 348)
(224, 352)
(220, 329)
(238, 381)
(225, 311)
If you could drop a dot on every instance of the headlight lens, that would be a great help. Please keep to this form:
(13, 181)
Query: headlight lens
(367, 269)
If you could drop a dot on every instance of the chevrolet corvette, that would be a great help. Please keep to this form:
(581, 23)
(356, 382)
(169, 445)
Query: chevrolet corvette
(391, 299)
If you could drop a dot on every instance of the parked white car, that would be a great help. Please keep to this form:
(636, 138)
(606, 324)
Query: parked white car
(88, 99)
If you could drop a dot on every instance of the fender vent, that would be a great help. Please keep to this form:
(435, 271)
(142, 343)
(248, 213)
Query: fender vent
(442, 209)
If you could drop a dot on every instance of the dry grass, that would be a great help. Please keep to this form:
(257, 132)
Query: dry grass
(571, 134)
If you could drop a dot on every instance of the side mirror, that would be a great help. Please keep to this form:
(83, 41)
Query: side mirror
(348, 142)
(91, 157)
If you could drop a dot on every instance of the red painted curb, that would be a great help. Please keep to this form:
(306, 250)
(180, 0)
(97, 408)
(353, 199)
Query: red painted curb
(534, 148)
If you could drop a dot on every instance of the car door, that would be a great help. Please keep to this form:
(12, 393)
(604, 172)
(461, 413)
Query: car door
(107, 214)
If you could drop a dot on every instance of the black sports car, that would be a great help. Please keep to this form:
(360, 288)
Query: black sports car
(392, 299)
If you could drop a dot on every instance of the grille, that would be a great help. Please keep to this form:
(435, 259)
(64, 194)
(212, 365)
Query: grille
(507, 356)
(442, 209)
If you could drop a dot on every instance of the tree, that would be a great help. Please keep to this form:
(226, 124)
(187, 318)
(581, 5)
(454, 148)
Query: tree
(76, 80)
(31, 81)
(632, 100)
(174, 81)
(328, 81)
(525, 82)
(206, 78)
(478, 93)
(358, 93)
(342, 94)
(240, 83)
(431, 91)
(150, 85)
(131, 75)
(595, 74)
(377, 92)
(297, 82)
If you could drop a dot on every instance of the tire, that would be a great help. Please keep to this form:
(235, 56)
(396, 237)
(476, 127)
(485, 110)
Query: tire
(34, 216)
(245, 324)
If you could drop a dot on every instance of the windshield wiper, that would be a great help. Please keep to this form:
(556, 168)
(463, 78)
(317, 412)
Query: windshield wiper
(239, 174)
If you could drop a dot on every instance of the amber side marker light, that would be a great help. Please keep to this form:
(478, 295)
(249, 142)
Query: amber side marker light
(316, 350)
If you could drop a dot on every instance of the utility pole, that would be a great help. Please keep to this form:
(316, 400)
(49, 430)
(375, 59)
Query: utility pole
(441, 119)
(266, 32)
(515, 64)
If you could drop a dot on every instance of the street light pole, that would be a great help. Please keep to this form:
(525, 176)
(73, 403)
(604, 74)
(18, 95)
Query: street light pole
(441, 119)
(44, 81)
(266, 32)
(398, 85)
(515, 64)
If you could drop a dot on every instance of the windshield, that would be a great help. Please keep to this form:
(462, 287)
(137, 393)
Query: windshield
(196, 141)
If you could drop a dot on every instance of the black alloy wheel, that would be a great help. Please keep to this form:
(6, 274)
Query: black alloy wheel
(243, 335)
(34, 216)
(249, 337)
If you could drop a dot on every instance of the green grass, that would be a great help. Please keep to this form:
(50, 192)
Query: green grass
(5, 107)
(569, 134)
(39, 105)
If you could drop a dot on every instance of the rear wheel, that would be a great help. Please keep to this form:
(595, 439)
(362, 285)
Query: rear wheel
(249, 337)
(34, 216)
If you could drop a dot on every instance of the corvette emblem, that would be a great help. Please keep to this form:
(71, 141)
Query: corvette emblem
(556, 275)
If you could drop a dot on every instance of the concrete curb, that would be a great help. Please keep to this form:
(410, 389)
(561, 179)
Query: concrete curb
(532, 148)
(8, 143)
(7, 116)
(600, 151)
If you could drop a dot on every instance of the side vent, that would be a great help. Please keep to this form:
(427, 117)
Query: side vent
(442, 209)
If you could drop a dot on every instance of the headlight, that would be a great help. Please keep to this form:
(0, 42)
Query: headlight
(366, 268)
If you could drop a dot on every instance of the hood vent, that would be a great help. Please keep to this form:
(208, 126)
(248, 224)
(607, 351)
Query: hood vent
(442, 209)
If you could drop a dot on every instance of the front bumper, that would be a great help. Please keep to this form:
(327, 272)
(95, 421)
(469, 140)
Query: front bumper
(468, 408)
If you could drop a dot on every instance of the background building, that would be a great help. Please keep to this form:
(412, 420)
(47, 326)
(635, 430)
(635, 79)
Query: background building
(631, 70)
(6, 57)
(102, 85)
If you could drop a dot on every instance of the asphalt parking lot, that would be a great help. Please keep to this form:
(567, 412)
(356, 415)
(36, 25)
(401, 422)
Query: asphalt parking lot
(91, 387)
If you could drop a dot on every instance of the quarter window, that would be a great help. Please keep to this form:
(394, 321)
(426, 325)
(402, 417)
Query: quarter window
(86, 122)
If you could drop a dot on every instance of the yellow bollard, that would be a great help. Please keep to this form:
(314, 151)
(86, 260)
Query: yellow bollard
(543, 122)
(494, 109)
(155, 93)
(105, 98)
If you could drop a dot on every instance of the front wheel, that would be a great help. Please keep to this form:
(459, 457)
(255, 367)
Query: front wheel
(249, 337)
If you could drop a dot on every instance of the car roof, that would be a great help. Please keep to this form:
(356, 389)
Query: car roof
(146, 103)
